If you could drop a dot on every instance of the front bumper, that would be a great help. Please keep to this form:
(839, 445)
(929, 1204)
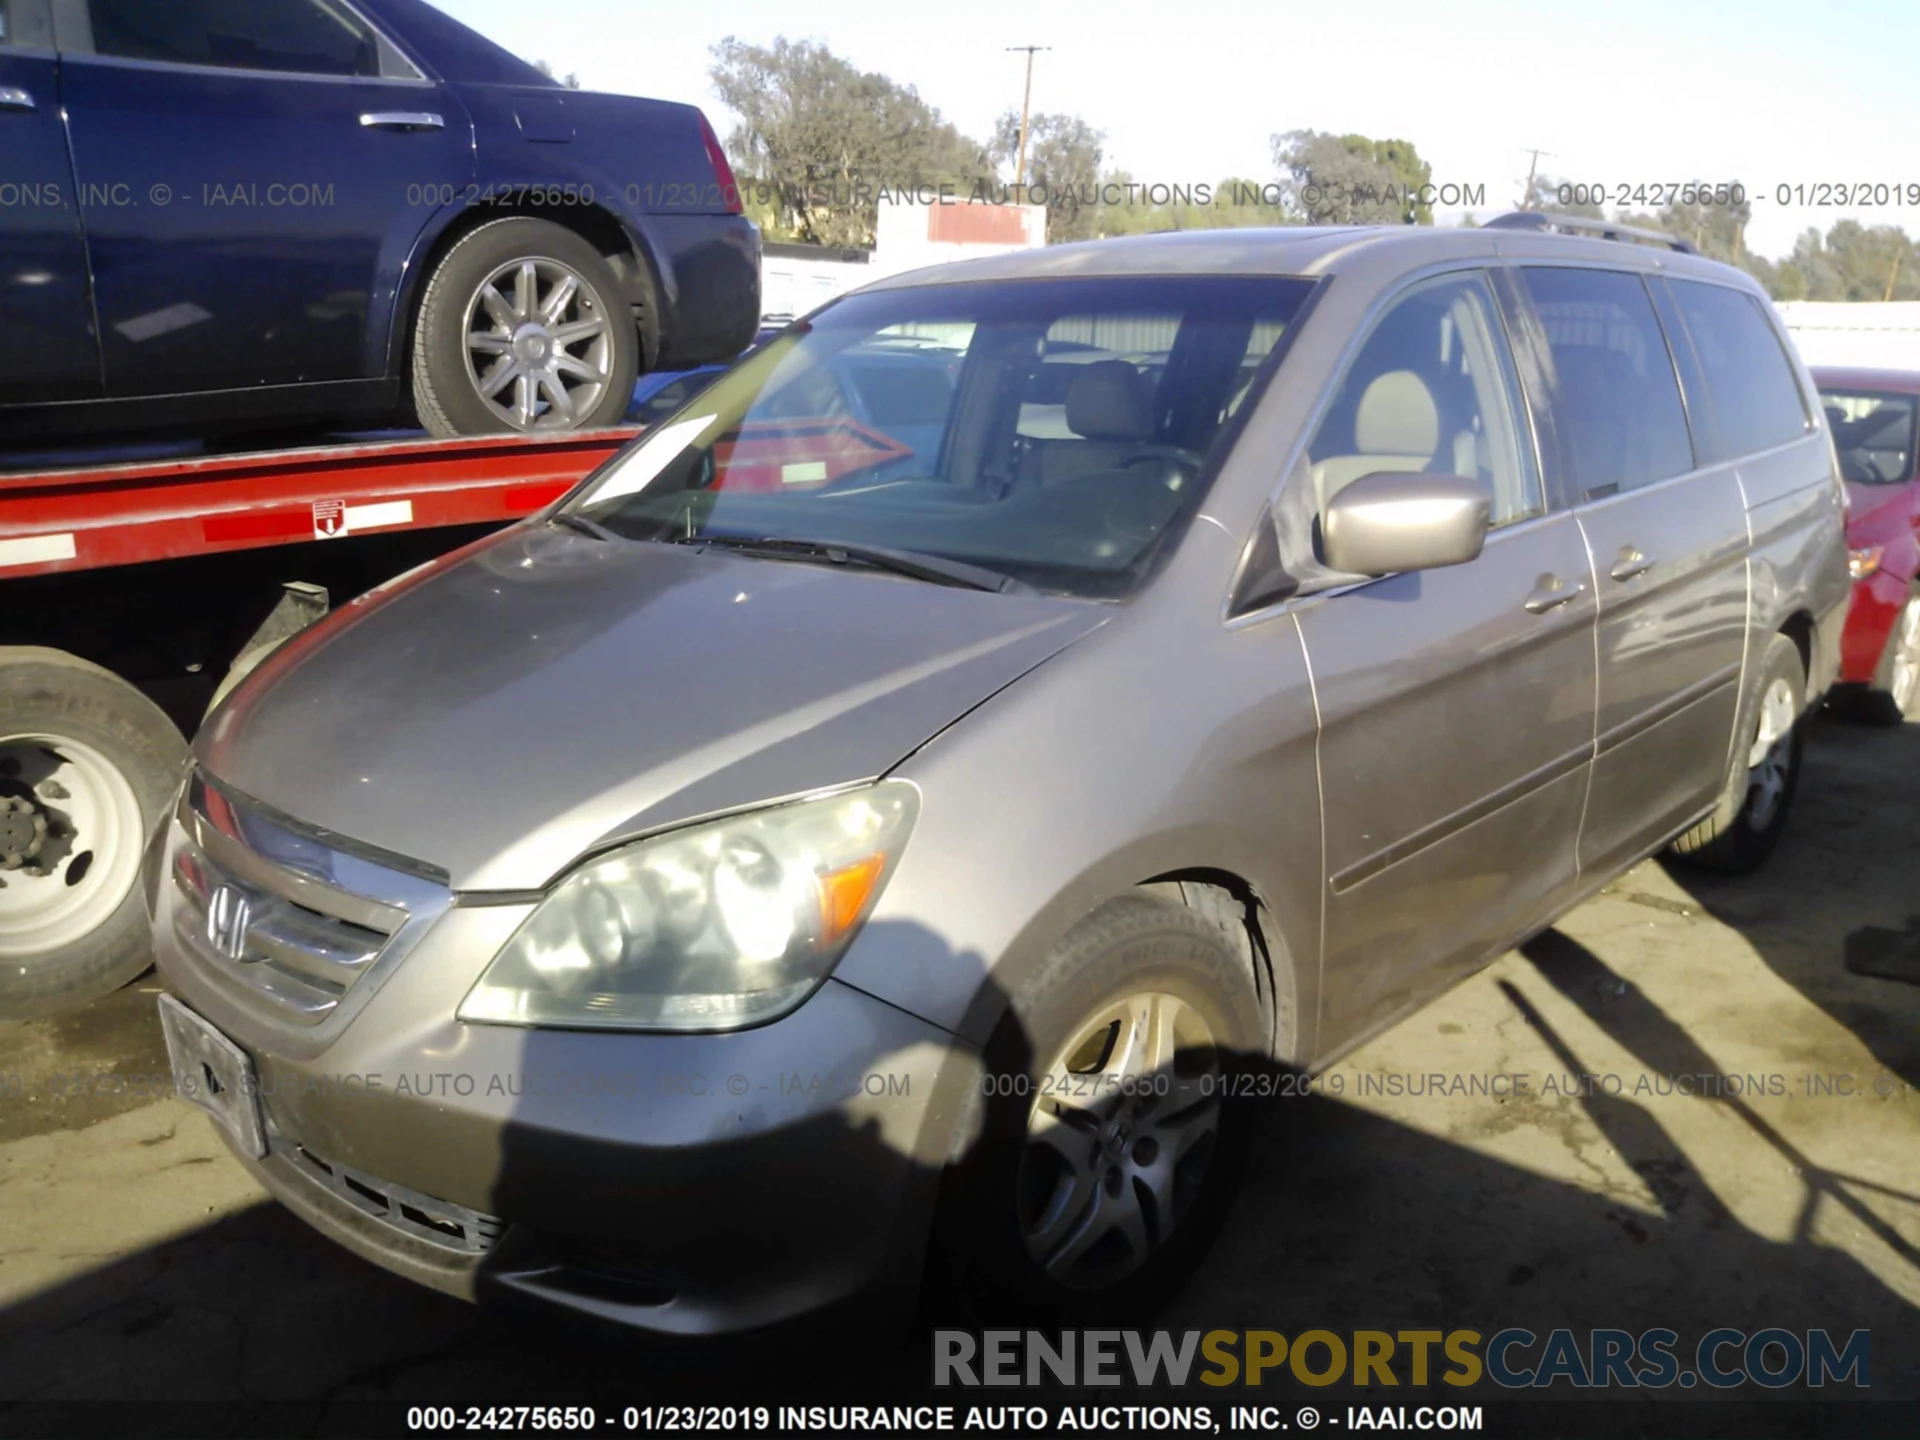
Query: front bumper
(687, 1184)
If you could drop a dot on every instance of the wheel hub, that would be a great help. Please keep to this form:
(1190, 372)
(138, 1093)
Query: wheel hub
(1118, 1138)
(70, 842)
(533, 346)
(23, 831)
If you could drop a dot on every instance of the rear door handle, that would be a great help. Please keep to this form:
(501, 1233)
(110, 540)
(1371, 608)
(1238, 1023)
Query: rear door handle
(1552, 592)
(1631, 563)
(14, 98)
(403, 120)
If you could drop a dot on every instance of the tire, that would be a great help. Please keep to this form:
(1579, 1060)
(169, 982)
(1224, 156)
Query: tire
(1743, 829)
(448, 375)
(1894, 697)
(92, 765)
(1020, 1225)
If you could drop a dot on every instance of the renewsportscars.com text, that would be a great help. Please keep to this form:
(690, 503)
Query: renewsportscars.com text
(1514, 1358)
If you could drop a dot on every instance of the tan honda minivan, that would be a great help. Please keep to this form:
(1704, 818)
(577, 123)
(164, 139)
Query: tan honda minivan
(887, 807)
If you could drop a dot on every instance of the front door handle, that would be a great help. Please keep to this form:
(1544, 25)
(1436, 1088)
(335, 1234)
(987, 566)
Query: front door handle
(14, 98)
(1631, 563)
(1551, 592)
(403, 120)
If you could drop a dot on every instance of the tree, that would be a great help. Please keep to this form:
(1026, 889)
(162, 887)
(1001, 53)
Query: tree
(1851, 262)
(571, 80)
(1717, 231)
(1354, 180)
(820, 139)
(1063, 169)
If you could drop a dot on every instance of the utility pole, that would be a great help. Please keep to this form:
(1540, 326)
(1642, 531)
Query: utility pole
(1533, 164)
(1026, 105)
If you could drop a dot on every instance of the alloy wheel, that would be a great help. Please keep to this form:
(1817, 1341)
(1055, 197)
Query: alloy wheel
(1903, 679)
(1119, 1138)
(539, 344)
(1770, 760)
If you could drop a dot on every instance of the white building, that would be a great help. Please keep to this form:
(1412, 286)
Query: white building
(796, 278)
(1868, 333)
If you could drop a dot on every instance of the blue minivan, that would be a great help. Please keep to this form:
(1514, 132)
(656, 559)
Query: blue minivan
(246, 213)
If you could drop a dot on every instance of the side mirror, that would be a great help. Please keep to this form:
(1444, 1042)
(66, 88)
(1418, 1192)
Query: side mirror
(1392, 520)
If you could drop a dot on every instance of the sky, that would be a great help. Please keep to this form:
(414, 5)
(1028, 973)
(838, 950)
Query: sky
(1770, 93)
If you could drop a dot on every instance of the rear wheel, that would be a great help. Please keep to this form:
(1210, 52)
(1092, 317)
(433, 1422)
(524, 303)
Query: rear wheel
(523, 327)
(1742, 831)
(87, 767)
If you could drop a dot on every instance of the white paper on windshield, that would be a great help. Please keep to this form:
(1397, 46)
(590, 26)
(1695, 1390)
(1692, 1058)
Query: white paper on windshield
(654, 454)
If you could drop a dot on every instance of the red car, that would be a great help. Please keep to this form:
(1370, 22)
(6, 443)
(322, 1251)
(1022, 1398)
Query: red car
(1875, 419)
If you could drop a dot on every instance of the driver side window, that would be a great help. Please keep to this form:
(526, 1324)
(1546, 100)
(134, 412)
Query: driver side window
(1432, 391)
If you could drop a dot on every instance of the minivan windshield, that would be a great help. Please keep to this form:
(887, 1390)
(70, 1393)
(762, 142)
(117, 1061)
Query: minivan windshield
(1050, 431)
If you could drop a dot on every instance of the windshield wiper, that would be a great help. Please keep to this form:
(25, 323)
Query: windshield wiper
(935, 568)
(582, 524)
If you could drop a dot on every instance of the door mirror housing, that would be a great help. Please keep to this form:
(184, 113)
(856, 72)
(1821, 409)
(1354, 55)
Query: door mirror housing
(1392, 520)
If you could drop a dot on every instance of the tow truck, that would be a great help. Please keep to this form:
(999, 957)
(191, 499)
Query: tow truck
(133, 592)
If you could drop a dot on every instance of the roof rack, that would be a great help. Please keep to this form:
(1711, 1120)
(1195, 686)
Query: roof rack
(1583, 225)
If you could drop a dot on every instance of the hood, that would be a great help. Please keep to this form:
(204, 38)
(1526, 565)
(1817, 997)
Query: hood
(548, 693)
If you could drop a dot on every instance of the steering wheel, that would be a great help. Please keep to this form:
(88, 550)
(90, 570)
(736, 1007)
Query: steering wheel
(1192, 460)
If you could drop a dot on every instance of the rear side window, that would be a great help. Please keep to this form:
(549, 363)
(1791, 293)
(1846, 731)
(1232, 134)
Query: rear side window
(1756, 402)
(1618, 422)
(311, 37)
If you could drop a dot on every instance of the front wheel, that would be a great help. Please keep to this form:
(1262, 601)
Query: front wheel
(1895, 696)
(87, 766)
(523, 327)
(1109, 1146)
(1741, 833)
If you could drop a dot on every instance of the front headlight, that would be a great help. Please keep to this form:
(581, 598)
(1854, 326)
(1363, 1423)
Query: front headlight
(716, 927)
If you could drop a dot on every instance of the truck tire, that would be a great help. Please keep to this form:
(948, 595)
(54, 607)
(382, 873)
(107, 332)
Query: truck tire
(1742, 831)
(523, 327)
(88, 766)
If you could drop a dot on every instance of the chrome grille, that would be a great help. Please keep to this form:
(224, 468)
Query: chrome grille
(282, 910)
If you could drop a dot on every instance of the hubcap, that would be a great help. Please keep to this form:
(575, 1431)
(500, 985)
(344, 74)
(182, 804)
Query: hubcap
(1119, 1137)
(70, 839)
(539, 345)
(1770, 761)
(1904, 683)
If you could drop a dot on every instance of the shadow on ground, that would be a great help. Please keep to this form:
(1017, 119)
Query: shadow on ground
(1346, 1221)
(1850, 920)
